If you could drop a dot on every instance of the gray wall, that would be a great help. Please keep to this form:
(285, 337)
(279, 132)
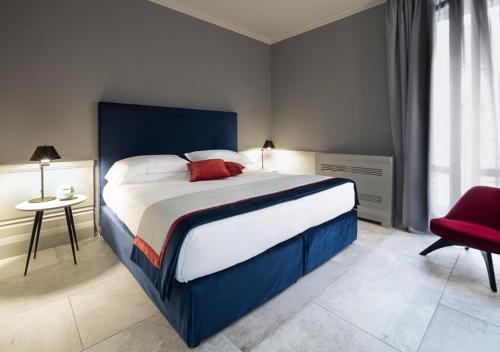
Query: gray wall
(329, 88)
(58, 58)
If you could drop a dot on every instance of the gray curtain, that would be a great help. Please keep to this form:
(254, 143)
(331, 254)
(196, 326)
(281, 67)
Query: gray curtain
(409, 56)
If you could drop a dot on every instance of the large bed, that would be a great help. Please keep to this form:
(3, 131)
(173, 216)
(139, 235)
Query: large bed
(226, 267)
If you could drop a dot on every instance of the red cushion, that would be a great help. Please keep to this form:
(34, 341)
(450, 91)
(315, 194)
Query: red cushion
(211, 169)
(478, 205)
(468, 234)
(234, 169)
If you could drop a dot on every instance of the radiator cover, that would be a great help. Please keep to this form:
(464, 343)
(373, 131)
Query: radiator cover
(373, 177)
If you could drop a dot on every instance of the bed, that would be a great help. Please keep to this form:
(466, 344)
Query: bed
(223, 273)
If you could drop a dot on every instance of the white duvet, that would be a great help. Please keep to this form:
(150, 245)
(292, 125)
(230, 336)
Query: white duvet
(218, 245)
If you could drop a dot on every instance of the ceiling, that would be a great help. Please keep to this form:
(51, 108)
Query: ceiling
(269, 20)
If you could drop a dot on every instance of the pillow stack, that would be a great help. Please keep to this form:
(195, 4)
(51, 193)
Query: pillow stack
(204, 165)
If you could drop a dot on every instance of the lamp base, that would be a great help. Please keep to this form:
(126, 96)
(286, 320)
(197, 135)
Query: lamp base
(41, 200)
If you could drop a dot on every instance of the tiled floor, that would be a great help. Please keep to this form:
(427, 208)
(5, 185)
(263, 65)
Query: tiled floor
(377, 295)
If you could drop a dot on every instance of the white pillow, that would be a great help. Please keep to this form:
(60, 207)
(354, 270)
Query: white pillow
(150, 178)
(226, 155)
(127, 169)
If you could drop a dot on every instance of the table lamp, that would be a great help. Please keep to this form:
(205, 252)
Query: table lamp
(268, 145)
(44, 154)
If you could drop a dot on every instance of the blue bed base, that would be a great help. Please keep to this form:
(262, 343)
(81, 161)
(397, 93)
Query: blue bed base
(202, 307)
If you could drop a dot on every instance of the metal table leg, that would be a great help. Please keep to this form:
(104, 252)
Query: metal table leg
(73, 227)
(70, 232)
(38, 232)
(36, 224)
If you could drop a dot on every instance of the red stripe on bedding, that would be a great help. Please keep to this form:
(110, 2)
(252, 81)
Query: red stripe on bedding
(150, 253)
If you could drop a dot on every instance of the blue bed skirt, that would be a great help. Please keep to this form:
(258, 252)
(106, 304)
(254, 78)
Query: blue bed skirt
(202, 307)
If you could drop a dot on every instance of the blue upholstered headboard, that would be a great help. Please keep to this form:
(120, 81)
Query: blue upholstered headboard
(127, 130)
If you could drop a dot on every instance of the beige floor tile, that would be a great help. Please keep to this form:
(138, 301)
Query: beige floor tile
(352, 254)
(371, 235)
(452, 331)
(20, 293)
(412, 244)
(15, 265)
(314, 329)
(110, 307)
(388, 295)
(50, 328)
(156, 335)
(90, 247)
(468, 289)
(254, 327)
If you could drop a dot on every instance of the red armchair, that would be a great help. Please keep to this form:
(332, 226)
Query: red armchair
(473, 222)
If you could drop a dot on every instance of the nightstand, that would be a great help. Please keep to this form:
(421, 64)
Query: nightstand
(39, 208)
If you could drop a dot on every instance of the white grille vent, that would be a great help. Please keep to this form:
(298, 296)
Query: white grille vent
(373, 177)
(352, 169)
(370, 198)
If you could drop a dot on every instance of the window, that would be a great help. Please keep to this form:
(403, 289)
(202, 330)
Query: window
(465, 111)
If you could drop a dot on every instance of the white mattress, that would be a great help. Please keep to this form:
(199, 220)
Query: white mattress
(218, 245)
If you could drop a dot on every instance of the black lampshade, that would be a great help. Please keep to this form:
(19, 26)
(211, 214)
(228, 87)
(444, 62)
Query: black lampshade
(268, 145)
(45, 152)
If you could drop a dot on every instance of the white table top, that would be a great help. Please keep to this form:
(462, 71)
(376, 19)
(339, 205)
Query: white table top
(53, 204)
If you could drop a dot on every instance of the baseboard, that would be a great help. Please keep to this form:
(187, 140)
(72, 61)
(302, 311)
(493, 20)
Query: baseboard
(375, 215)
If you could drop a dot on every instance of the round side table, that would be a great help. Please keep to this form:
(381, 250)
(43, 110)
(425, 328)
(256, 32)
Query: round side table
(39, 208)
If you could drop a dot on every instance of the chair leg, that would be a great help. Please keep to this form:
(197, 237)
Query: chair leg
(491, 271)
(441, 243)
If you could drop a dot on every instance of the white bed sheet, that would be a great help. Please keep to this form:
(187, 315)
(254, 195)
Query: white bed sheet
(218, 245)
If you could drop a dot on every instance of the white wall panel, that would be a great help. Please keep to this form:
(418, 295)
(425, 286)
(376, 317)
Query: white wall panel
(21, 182)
